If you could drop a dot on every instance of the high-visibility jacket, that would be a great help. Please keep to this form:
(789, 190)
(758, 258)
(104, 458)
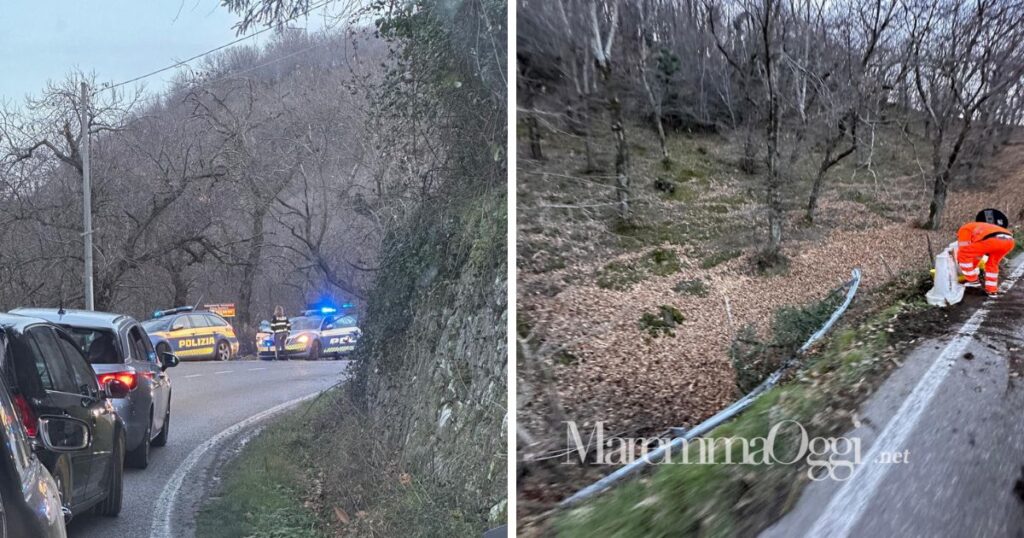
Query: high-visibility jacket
(975, 232)
(280, 324)
(976, 240)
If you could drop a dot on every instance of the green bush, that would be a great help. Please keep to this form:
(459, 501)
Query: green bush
(623, 275)
(662, 322)
(696, 287)
(754, 359)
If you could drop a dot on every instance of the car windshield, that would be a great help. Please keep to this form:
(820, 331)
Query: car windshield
(156, 325)
(344, 322)
(98, 345)
(306, 323)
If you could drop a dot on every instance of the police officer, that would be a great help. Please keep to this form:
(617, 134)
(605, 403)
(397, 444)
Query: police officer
(280, 326)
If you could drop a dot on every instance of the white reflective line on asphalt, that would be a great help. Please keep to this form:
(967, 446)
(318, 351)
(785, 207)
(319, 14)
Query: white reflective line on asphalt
(256, 369)
(168, 497)
(193, 375)
(223, 372)
(847, 506)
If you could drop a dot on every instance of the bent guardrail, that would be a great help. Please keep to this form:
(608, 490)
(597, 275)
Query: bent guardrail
(718, 418)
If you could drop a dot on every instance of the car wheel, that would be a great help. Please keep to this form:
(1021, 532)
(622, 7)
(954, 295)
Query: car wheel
(139, 457)
(111, 506)
(161, 440)
(223, 351)
(314, 351)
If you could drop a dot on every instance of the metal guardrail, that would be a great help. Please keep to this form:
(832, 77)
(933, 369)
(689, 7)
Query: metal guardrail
(718, 418)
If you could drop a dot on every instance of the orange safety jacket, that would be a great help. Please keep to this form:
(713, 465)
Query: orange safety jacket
(974, 232)
(976, 240)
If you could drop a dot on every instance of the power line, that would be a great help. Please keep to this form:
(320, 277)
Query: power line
(211, 51)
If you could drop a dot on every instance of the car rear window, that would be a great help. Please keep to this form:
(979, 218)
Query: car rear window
(99, 346)
(48, 358)
(215, 321)
(198, 321)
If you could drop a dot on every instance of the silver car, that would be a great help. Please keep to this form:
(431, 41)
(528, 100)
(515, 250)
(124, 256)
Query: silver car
(118, 347)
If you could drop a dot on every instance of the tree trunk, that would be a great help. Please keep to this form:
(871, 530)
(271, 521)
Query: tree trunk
(532, 128)
(591, 162)
(621, 146)
(621, 158)
(533, 132)
(249, 270)
(938, 204)
(179, 285)
(943, 174)
(748, 162)
(656, 106)
(827, 162)
(578, 124)
(774, 180)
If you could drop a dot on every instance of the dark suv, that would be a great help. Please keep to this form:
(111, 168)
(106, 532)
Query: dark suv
(49, 376)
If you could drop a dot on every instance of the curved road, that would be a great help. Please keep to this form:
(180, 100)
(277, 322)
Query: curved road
(954, 412)
(208, 398)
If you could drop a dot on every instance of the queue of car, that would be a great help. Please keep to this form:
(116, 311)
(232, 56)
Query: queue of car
(82, 394)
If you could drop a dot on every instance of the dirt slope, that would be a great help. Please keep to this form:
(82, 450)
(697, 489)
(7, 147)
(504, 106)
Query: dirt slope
(611, 371)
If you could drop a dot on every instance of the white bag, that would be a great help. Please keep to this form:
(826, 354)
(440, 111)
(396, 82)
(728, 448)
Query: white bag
(947, 289)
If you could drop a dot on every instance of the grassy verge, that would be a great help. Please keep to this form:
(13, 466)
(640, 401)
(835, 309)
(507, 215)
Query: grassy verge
(318, 471)
(264, 487)
(728, 500)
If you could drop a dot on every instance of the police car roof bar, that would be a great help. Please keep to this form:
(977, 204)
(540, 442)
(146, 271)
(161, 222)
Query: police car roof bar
(718, 418)
(168, 312)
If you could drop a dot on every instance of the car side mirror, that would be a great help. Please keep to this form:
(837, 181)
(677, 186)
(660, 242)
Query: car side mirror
(168, 360)
(176, 327)
(116, 389)
(64, 434)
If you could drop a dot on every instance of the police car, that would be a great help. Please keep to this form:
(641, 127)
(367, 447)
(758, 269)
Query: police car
(319, 332)
(191, 334)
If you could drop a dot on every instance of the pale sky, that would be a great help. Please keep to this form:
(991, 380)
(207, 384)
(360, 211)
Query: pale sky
(118, 39)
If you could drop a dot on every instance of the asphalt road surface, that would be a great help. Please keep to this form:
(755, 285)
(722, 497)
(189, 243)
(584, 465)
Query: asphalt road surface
(955, 412)
(208, 398)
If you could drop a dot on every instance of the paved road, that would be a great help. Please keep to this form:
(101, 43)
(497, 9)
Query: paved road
(208, 398)
(955, 409)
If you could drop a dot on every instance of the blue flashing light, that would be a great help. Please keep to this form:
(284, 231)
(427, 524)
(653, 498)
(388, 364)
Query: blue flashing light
(328, 310)
(158, 314)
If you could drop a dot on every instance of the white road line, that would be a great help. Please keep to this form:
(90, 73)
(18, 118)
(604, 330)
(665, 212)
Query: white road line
(847, 506)
(223, 372)
(256, 369)
(168, 497)
(193, 375)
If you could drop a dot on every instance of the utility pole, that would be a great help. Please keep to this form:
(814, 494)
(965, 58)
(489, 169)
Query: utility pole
(86, 198)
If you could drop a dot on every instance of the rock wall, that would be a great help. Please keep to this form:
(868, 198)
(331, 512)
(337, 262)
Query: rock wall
(433, 359)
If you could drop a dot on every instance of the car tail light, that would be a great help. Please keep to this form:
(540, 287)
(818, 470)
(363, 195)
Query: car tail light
(128, 378)
(28, 418)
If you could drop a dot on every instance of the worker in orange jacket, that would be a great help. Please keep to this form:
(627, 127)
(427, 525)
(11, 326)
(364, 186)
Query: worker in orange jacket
(987, 236)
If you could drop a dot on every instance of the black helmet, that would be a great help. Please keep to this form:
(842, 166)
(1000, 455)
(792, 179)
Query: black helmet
(993, 216)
